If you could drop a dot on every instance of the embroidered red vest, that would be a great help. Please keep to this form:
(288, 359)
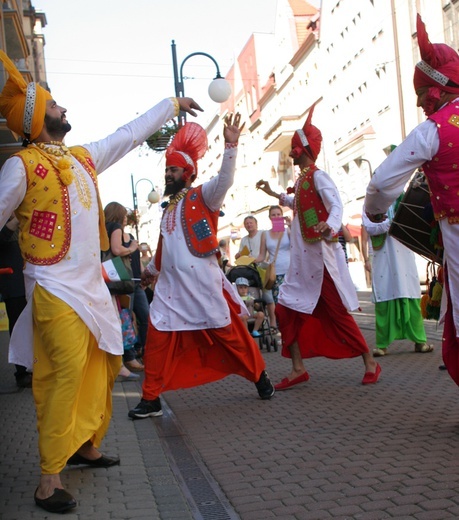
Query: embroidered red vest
(199, 226)
(442, 172)
(309, 206)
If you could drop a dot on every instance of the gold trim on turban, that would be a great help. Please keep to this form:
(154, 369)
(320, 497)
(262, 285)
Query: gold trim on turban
(22, 105)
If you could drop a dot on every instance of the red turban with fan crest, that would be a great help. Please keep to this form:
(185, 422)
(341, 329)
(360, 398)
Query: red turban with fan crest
(188, 146)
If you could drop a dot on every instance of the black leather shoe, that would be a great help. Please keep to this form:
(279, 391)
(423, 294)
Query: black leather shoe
(24, 380)
(59, 502)
(264, 386)
(101, 462)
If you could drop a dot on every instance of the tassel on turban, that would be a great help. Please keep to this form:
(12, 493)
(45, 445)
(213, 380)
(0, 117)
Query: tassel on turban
(22, 105)
(439, 66)
(307, 140)
(188, 146)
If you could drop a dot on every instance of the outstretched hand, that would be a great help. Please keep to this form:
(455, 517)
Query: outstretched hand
(263, 186)
(188, 104)
(233, 128)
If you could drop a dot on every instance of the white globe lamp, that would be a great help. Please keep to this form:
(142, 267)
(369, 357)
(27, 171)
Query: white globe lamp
(153, 197)
(219, 90)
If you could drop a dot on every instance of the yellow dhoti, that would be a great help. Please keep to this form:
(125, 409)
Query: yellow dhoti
(72, 382)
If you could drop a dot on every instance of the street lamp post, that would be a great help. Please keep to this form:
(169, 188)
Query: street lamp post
(359, 163)
(219, 89)
(153, 197)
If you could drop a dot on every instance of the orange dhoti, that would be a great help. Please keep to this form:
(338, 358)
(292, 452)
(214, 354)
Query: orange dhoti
(72, 382)
(190, 358)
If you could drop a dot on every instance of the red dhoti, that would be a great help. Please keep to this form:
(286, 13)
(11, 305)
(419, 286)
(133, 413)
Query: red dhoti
(330, 331)
(184, 359)
(450, 343)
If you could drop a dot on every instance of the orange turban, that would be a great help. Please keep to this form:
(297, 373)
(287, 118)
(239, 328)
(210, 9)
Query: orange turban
(307, 140)
(188, 146)
(439, 66)
(22, 105)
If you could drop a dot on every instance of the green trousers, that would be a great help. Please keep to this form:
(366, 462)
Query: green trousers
(399, 319)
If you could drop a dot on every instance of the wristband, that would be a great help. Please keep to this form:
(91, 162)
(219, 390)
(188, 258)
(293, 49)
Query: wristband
(176, 106)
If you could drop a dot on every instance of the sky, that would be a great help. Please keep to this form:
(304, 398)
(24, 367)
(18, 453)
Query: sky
(108, 61)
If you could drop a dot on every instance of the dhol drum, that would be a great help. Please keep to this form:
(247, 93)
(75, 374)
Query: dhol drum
(413, 221)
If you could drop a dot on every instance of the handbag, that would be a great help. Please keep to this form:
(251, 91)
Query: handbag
(270, 275)
(123, 286)
(128, 328)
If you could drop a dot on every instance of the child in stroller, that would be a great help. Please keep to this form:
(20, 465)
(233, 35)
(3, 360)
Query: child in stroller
(257, 316)
(255, 290)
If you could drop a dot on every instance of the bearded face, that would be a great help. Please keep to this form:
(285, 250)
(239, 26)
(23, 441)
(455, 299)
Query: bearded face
(57, 127)
(173, 186)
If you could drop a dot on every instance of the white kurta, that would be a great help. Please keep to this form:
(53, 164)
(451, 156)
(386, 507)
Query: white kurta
(302, 285)
(388, 182)
(189, 290)
(77, 278)
(394, 271)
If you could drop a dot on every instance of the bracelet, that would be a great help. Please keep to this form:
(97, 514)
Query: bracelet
(176, 106)
(230, 145)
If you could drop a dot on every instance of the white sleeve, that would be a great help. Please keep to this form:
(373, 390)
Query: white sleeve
(214, 191)
(108, 151)
(13, 187)
(391, 176)
(375, 228)
(286, 200)
(151, 267)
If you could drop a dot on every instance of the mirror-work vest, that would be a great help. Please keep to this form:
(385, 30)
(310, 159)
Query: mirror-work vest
(44, 214)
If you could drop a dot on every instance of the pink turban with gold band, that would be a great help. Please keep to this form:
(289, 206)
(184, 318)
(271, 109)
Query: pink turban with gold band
(188, 146)
(307, 140)
(439, 66)
(22, 105)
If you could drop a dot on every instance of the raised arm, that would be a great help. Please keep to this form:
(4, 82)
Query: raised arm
(264, 186)
(214, 191)
(112, 148)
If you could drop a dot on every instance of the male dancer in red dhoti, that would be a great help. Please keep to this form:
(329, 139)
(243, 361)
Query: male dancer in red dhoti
(432, 145)
(195, 334)
(317, 291)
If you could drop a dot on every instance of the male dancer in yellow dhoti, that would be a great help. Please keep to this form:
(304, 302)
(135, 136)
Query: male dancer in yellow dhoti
(69, 318)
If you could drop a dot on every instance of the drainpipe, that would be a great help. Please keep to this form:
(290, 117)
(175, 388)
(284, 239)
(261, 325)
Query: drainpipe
(398, 71)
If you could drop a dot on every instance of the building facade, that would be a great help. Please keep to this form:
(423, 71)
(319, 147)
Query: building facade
(354, 59)
(21, 37)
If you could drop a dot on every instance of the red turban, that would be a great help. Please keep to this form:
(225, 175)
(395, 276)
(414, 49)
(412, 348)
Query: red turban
(439, 66)
(188, 146)
(307, 140)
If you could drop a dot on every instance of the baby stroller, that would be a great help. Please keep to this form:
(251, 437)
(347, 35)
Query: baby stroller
(250, 272)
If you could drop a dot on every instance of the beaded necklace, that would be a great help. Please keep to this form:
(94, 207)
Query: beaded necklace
(171, 210)
(61, 158)
(56, 148)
